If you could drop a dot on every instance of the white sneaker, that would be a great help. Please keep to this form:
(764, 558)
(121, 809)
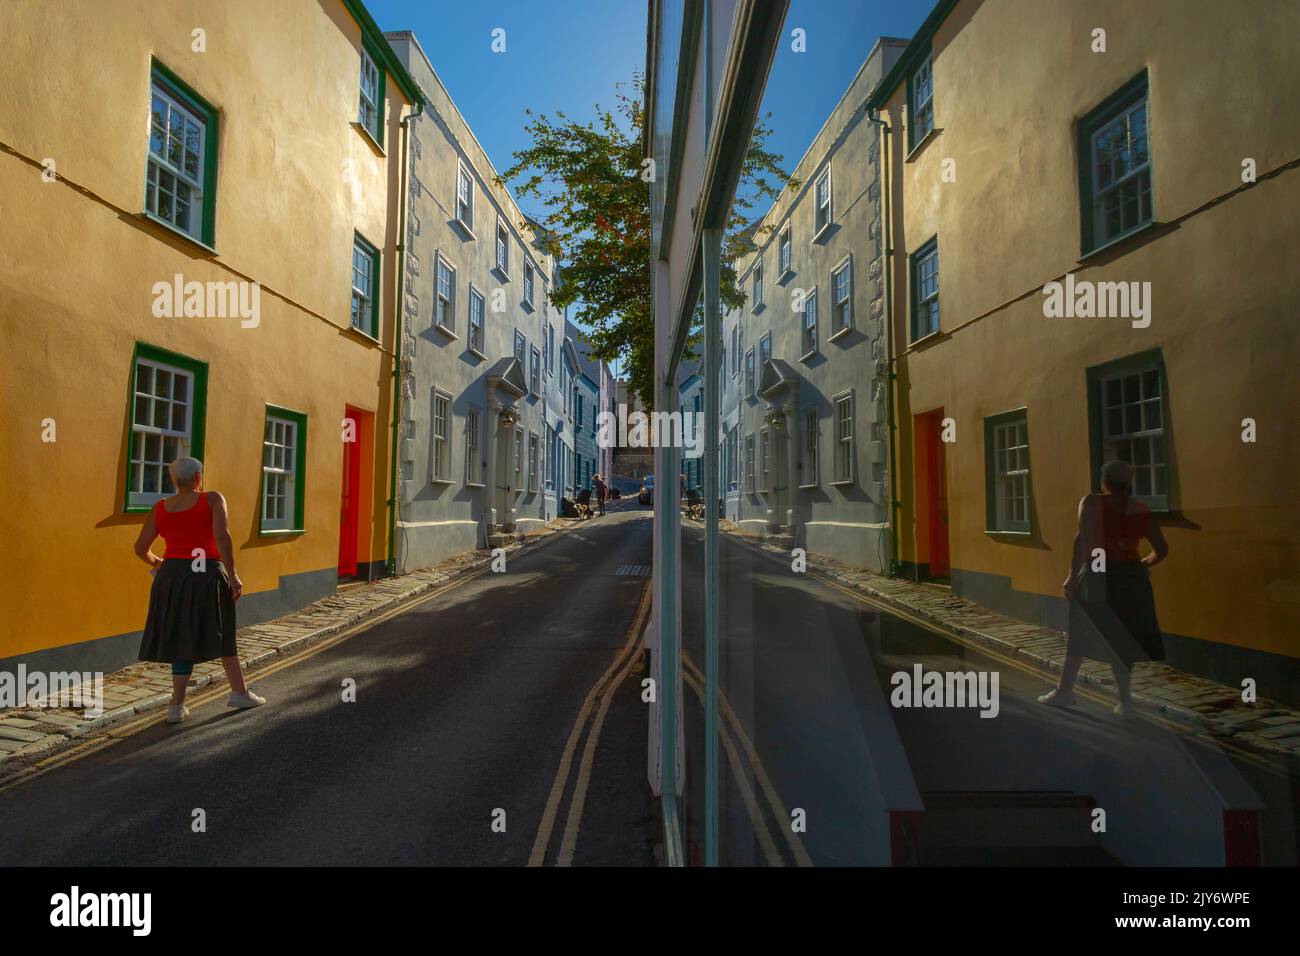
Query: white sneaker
(176, 713)
(245, 700)
(1054, 698)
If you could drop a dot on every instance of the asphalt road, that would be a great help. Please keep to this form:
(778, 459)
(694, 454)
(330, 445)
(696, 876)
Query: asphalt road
(464, 706)
(807, 677)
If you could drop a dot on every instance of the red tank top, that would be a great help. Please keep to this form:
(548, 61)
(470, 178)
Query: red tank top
(1123, 532)
(184, 531)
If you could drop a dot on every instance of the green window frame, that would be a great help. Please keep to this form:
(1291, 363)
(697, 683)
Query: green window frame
(1143, 391)
(921, 121)
(924, 285)
(272, 465)
(163, 80)
(364, 251)
(1133, 95)
(370, 50)
(1007, 468)
(147, 441)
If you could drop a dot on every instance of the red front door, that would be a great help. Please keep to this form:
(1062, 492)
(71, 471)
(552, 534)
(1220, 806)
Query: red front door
(932, 492)
(356, 442)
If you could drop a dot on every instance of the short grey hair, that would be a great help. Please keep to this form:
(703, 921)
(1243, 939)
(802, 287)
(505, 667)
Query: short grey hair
(1117, 472)
(186, 470)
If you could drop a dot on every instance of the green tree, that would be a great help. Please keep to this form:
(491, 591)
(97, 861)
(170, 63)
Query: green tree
(588, 177)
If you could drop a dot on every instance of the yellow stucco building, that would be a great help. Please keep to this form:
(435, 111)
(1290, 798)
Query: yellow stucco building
(200, 256)
(1093, 225)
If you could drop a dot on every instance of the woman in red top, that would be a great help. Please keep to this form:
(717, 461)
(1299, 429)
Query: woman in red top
(1112, 612)
(195, 587)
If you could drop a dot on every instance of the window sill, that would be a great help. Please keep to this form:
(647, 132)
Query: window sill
(446, 331)
(278, 532)
(500, 273)
(1118, 240)
(925, 141)
(842, 483)
(1008, 534)
(441, 481)
(527, 307)
(465, 229)
(821, 232)
(476, 353)
(813, 487)
(365, 338)
(785, 277)
(925, 340)
(758, 307)
(159, 221)
(841, 333)
(474, 484)
(369, 138)
(807, 356)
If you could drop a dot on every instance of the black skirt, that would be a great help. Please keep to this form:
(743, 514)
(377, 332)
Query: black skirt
(1122, 629)
(191, 614)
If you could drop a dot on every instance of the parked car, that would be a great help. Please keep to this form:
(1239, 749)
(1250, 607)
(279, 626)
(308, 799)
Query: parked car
(647, 494)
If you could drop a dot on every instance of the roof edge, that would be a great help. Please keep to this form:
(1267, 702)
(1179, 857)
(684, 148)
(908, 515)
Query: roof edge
(907, 61)
(370, 31)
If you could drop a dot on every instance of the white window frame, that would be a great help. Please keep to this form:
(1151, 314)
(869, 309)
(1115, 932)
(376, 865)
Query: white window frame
(167, 436)
(842, 306)
(279, 478)
(440, 438)
(520, 441)
(922, 109)
(1134, 175)
(362, 303)
(530, 284)
(751, 379)
(466, 182)
(521, 351)
(823, 213)
(845, 437)
(784, 252)
(368, 107)
(1155, 440)
(477, 332)
(764, 460)
(811, 440)
(749, 463)
(927, 303)
(808, 331)
(444, 304)
(534, 461)
(756, 277)
(1011, 472)
(534, 371)
(501, 248)
(159, 165)
(473, 447)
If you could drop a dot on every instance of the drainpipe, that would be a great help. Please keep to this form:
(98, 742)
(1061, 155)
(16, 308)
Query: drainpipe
(397, 343)
(890, 378)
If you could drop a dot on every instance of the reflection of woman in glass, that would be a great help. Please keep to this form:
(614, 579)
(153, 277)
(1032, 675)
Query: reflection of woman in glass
(1112, 613)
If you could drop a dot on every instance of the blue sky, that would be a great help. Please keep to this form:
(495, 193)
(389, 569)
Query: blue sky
(569, 55)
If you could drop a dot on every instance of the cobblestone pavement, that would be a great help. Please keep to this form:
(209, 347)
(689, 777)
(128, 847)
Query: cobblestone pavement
(1265, 727)
(31, 733)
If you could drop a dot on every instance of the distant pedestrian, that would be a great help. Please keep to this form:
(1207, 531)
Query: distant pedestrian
(192, 602)
(1112, 613)
(601, 491)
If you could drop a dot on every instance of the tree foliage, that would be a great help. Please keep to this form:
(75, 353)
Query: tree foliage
(589, 178)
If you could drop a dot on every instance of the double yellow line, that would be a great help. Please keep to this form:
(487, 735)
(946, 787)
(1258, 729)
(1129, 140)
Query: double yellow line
(597, 699)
